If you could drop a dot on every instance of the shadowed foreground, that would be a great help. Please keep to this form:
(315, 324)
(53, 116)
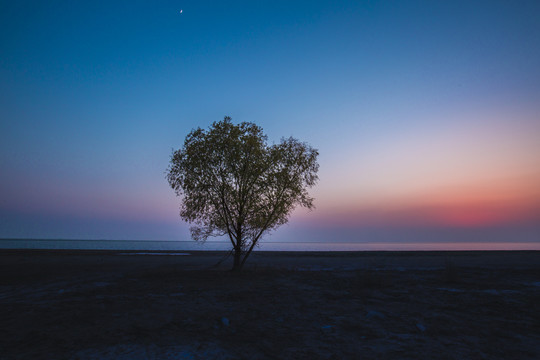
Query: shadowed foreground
(101, 305)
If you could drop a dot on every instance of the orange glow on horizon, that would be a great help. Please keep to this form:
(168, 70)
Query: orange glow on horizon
(505, 202)
(480, 215)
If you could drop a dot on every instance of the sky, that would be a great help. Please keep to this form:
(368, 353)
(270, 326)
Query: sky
(426, 114)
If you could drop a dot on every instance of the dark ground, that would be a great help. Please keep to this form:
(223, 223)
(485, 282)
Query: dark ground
(374, 305)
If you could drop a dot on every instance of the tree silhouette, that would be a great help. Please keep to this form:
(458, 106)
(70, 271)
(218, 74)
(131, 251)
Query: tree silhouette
(232, 183)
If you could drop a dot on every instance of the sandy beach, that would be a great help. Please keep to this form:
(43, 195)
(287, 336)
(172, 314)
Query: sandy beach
(284, 305)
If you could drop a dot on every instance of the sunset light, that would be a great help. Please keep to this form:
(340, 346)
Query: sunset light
(344, 179)
(418, 123)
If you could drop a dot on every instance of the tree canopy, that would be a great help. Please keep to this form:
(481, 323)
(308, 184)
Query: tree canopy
(233, 183)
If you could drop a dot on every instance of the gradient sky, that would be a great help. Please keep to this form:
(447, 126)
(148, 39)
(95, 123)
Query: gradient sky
(426, 114)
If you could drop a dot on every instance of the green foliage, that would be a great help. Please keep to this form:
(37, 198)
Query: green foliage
(233, 183)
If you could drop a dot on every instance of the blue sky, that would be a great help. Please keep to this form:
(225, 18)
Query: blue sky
(406, 101)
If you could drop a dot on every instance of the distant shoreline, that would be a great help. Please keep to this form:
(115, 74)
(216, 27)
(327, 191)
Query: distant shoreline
(315, 253)
(264, 246)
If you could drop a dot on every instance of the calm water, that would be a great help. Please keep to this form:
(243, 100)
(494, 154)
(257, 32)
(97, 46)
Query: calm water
(155, 245)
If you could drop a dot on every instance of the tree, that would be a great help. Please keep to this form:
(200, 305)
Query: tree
(233, 183)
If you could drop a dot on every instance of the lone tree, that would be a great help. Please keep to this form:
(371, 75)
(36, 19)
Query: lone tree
(233, 183)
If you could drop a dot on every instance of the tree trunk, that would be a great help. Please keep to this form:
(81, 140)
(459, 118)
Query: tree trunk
(237, 265)
(246, 255)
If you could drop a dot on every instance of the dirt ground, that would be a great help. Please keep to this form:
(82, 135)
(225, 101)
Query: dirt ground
(369, 305)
